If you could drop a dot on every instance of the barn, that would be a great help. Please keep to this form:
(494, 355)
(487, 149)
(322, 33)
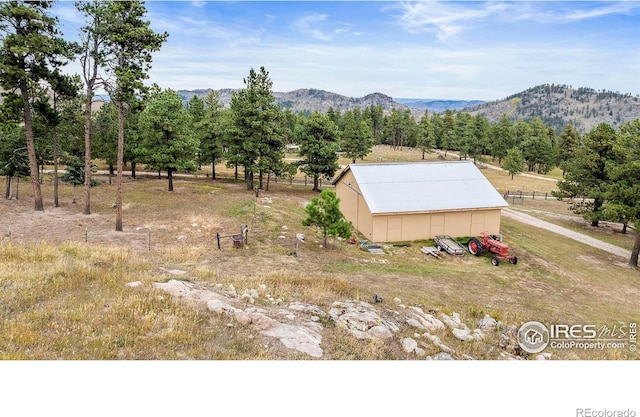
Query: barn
(392, 202)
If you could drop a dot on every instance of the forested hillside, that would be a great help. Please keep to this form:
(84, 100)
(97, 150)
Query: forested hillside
(556, 105)
(309, 100)
(559, 105)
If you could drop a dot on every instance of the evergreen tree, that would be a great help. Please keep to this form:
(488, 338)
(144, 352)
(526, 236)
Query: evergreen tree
(93, 57)
(426, 140)
(586, 176)
(623, 194)
(169, 142)
(318, 140)
(537, 149)
(522, 132)
(448, 132)
(324, 213)
(514, 162)
(14, 161)
(567, 145)
(357, 139)
(129, 44)
(254, 137)
(74, 175)
(32, 49)
(400, 129)
(374, 115)
(210, 130)
(502, 138)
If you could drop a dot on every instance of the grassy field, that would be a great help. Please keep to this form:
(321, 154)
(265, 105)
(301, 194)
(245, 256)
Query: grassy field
(63, 276)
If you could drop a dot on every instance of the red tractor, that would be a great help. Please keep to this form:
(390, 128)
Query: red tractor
(493, 244)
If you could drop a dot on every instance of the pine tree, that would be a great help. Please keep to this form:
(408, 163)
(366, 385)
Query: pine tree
(317, 137)
(168, 141)
(128, 47)
(514, 162)
(586, 178)
(324, 213)
(254, 136)
(32, 49)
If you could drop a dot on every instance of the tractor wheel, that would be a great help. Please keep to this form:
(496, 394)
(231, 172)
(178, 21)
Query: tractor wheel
(474, 246)
(513, 260)
(495, 261)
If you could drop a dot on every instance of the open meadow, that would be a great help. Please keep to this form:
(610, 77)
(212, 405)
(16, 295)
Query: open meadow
(73, 288)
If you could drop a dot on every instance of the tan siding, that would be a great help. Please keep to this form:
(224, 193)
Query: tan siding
(421, 226)
(353, 206)
(394, 227)
(437, 225)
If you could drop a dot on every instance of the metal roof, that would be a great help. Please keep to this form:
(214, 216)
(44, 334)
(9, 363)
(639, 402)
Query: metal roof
(424, 186)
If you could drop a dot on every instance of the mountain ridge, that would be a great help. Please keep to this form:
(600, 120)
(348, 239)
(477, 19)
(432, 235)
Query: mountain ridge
(556, 105)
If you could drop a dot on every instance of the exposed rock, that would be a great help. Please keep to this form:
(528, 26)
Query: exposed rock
(415, 323)
(487, 323)
(436, 341)
(429, 322)
(378, 332)
(220, 307)
(299, 325)
(361, 319)
(262, 322)
(307, 308)
(448, 321)
(231, 290)
(297, 337)
(397, 300)
(463, 334)
(408, 344)
(442, 356)
(173, 271)
(477, 335)
(242, 317)
(134, 284)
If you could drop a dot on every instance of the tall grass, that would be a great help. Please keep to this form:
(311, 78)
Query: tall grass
(68, 299)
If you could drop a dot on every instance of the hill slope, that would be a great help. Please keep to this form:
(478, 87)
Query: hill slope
(310, 100)
(558, 105)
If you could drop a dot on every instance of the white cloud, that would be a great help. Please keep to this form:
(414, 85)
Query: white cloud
(308, 25)
(445, 19)
(624, 7)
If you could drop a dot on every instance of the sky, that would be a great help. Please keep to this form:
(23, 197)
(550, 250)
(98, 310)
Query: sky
(462, 50)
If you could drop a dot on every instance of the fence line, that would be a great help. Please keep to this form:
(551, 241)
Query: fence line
(532, 195)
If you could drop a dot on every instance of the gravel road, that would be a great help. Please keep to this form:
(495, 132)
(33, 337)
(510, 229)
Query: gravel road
(525, 218)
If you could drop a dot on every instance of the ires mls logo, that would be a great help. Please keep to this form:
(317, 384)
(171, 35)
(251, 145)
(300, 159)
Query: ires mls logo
(534, 337)
(577, 331)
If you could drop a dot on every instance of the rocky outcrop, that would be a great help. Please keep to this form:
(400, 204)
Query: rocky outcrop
(299, 326)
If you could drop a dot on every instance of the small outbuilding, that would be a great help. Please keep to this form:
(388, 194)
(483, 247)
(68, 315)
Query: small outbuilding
(392, 202)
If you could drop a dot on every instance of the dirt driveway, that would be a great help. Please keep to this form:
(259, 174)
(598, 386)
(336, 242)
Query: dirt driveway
(527, 219)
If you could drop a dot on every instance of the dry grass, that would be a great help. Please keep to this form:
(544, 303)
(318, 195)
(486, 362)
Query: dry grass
(64, 298)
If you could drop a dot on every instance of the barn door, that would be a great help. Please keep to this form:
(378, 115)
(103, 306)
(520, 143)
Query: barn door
(477, 224)
(394, 229)
(437, 225)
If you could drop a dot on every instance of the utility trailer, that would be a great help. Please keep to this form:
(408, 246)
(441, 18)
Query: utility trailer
(450, 245)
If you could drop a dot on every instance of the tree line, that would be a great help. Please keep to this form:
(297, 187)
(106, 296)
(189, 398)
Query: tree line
(47, 117)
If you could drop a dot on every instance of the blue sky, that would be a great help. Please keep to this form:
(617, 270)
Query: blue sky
(426, 49)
